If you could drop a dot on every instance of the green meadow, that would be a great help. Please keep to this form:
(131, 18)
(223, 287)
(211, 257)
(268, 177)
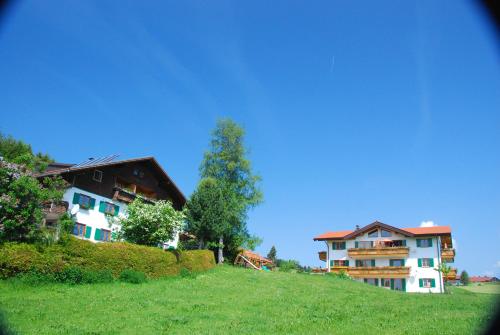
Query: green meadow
(228, 300)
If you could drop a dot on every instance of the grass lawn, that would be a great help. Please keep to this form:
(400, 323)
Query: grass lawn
(238, 301)
(491, 288)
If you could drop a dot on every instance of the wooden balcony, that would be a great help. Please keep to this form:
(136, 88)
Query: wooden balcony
(379, 272)
(378, 252)
(452, 275)
(448, 254)
(337, 269)
(322, 256)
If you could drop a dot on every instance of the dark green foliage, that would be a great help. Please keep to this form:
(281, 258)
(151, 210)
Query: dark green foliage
(288, 265)
(340, 275)
(132, 276)
(21, 202)
(18, 258)
(69, 275)
(18, 152)
(185, 273)
(226, 163)
(272, 254)
(464, 278)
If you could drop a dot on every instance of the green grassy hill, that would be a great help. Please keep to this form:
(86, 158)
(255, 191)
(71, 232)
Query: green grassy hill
(238, 301)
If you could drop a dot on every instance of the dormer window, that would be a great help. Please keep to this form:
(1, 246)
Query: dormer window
(385, 233)
(373, 233)
(97, 176)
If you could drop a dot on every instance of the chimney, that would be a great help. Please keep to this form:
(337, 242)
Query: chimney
(357, 227)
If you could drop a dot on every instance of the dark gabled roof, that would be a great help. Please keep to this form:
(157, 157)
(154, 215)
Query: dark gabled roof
(74, 168)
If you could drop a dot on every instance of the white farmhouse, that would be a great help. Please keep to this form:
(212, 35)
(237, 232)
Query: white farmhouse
(100, 188)
(404, 259)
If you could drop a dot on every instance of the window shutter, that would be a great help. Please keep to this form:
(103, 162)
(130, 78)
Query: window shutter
(404, 243)
(88, 231)
(97, 235)
(356, 244)
(373, 262)
(371, 244)
(403, 281)
(431, 262)
(92, 203)
(430, 242)
(433, 283)
(392, 284)
(76, 198)
(420, 262)
(421, 282)
(102, 207)
(365, 280)
(391, 262)
(346, 263)
(358, 263)
(418, 243)
(404, 261)
(376, 281)
(117, 209)
(331, 262)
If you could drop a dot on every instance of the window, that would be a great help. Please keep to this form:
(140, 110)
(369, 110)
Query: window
(385, 282)
(84, 201)
(425, 262)
(79, 229)
(102, 235)
(373, 233)
(365, 263)
(398, 284)
(396, 262)
(138, 173)
(398, 243)
(340, 262)
(427, 282)
(424, 242)
(338, 245)
(385, 233)
(108, 208)
(371, 281)
(363, 244)
(97, 176)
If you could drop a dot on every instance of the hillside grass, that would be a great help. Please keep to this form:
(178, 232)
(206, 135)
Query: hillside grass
(228, 300)
(491, 288)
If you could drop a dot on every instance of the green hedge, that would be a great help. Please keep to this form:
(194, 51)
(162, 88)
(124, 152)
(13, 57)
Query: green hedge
(17, 258)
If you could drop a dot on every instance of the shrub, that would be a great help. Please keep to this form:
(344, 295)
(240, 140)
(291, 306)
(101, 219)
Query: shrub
(19, 258)
(185, 273)
(132, 276)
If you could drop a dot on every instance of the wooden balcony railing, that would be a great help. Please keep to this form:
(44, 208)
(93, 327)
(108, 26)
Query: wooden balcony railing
(379, 272)
(448, 254)
(322, 256)
(369, 253)
(452, 275)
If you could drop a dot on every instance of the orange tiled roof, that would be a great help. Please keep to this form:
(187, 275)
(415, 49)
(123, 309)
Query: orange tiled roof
(435, 230)
(255, 256)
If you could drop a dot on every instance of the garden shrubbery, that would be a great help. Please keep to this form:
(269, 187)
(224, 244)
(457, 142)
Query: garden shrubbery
(132, 276)
(78, 261)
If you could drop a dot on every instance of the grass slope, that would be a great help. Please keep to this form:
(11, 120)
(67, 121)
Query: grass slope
(239, 301)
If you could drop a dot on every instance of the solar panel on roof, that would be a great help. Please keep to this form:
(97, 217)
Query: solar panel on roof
(95, 161)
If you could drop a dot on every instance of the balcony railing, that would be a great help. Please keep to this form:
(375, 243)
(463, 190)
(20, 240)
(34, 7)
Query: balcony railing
(379, 272)
(375, 252)
(452, 275)
(448, 254)
(322, 256)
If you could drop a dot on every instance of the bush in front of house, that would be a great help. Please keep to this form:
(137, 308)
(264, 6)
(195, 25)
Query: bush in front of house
(132, 276)
(22, 258)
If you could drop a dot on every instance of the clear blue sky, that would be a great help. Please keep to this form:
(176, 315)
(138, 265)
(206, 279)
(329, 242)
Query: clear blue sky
(354, 112)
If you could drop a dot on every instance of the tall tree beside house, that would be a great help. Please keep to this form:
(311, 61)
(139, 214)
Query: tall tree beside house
(207, 213)
(16, 151)
(464, 278)
(272, 254)
(150, 224)
(226, 162)
(22, 198)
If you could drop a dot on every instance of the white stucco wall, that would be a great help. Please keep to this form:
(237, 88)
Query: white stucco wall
(97, 220)
(416, 273)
